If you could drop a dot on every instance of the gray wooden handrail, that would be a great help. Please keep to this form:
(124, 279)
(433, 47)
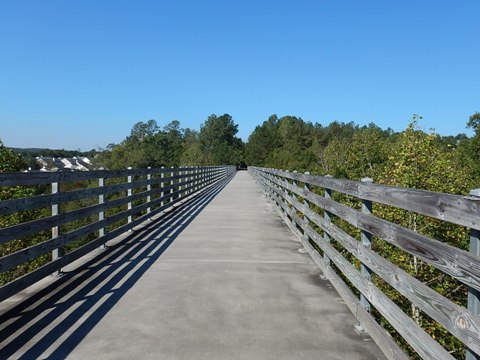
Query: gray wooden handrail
(147, 192)
(294, 203)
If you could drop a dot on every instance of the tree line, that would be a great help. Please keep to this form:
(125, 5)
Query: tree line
(150, 145)
(343, 150)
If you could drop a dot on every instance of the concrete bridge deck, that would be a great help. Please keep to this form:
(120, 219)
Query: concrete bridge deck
(219, 278)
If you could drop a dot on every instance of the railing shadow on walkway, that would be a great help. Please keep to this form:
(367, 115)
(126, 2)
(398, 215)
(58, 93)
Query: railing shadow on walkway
(54, 321)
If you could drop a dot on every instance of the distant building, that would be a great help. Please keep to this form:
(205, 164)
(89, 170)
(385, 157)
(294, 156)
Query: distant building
(64, 164)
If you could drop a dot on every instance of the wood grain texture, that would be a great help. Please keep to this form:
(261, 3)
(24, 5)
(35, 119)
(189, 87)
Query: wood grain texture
(389, 347)
(455, 262)
(191, 185)
(458, 263)
(454, 318)
(457, 209)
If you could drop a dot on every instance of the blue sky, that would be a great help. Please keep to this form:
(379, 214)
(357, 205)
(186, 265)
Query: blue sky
(79, 73)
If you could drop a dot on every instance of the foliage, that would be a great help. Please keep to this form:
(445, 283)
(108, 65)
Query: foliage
(411, 159)
(11, 162)
(360, 156)
(418, 160)
(150, 145)
(218, 142)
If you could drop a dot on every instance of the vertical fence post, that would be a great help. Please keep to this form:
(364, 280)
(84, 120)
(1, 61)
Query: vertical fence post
(473, 304)
(162, 185)
(269, 184)
(129, 193)
(195, 178)
(275, 185)
(328, 219)
(262, 178)
(180, 180)
(191, 184)
(101, 214)
(55, 211)
(285, 193)
(149, 188)
(279, 188)
(172, 183)
(305, 218)
(366, 239)
(293, 222)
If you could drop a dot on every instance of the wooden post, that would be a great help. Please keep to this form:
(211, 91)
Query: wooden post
(101, 214)
(366, 239)
(162, 185)
(195, 177)
(305, 237)
(172, 182)
(285, 194)
(56, 253)
(293, 222)
(193, 185)
(180, 180)
(473, 303)
(328, 218)
(129, 193)
(149, 188)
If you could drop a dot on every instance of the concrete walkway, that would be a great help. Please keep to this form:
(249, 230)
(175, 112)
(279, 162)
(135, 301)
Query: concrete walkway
(226, 282)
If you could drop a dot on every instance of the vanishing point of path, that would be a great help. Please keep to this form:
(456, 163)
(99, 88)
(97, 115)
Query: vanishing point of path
(221, 278)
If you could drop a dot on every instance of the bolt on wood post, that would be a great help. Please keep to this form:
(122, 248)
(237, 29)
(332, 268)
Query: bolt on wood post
(328, 219)
(129, 194)
(101, 214)
(56, 253)
(149, 188)
(473, 303)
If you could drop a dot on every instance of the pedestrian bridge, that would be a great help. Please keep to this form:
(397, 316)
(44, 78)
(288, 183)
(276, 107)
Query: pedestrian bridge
(210, 263)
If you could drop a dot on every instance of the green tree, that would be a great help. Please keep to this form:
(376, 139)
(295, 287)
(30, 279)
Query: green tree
(262, 142)
(146, 146)
(360, 156)
(218, 142)
(419, 160)
(11, 162)
(192, 153)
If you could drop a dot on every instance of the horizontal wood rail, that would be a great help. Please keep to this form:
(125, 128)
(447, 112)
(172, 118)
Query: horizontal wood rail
(291, 194)
(108, 203)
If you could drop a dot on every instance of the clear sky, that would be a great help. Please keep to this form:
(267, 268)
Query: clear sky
(78, 74)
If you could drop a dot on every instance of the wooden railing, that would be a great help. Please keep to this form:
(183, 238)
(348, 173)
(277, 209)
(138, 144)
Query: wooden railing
(106, 203)
(291, 195)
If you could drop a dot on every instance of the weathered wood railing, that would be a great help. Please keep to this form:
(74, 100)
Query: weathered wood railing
(294, 201)
(113, 203)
